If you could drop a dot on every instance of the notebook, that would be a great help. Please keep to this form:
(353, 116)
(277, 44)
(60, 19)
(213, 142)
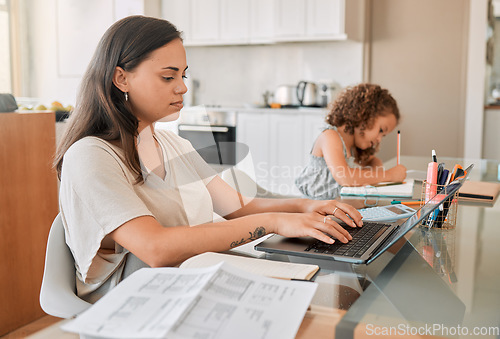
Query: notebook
(268, 268)
(381, 236)
(402, 190)
(479, 191)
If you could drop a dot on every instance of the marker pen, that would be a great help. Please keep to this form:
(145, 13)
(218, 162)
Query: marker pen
(432, 171)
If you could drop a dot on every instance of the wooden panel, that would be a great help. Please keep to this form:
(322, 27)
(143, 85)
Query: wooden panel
(28, 204)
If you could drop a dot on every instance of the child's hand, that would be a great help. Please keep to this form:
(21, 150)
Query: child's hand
(397, 173)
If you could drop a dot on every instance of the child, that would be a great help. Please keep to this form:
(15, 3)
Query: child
(344, 152)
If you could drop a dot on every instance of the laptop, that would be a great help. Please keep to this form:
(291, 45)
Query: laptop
(369, 241)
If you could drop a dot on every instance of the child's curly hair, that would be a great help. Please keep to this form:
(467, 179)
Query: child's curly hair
(358, 106)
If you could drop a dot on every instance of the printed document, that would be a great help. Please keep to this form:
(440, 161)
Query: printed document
(215, 302)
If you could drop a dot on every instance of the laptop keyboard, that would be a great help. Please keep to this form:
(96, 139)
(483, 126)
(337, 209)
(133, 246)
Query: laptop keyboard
(362, 239)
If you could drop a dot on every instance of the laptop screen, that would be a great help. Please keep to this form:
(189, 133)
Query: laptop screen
(424, 211)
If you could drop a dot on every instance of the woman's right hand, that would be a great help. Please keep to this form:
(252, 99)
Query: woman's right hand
(396, 173)
(309, 224)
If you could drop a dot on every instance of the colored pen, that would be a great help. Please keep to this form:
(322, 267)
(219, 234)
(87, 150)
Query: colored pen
(434, 156)
(417, 202)
(399, 147)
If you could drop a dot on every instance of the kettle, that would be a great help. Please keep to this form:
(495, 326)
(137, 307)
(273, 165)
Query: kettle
(285, 96)
(307, 93)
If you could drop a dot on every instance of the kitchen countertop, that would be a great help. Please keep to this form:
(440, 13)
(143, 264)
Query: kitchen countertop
(260, 110)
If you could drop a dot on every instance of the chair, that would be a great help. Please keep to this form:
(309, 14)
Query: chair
(58, 293)
(244, 184)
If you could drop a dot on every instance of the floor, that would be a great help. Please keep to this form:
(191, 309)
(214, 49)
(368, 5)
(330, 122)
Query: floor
(31, 328)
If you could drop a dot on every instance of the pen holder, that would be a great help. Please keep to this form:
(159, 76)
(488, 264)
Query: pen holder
(445, 217)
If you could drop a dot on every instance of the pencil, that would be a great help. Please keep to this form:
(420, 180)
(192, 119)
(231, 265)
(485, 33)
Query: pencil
(399, 147)
(395, 202)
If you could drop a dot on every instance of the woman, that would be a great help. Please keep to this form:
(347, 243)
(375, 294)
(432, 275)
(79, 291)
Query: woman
(129, 193)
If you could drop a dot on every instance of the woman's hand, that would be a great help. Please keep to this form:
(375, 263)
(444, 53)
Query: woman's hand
(342, 211)
(309, 224)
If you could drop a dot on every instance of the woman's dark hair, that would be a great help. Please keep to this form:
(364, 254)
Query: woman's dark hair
(358, 106)
(101, 109)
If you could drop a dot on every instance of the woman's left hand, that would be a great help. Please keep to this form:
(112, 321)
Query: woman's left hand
(342, 211)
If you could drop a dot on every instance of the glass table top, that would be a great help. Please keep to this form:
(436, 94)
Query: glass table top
(443, 282)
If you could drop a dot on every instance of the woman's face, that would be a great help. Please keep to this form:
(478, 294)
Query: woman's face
(371, 137)
(156, 85)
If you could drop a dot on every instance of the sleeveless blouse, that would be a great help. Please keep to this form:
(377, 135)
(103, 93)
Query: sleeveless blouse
(316, 181)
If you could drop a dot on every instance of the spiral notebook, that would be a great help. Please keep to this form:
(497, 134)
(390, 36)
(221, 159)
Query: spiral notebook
(395, 190)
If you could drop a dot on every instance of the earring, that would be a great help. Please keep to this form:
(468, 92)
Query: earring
(126, 96)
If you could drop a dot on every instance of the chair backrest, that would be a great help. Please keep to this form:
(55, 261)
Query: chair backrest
(58, 293)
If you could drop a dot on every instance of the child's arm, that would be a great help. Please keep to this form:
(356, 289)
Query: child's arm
(374, 162)
(330, 146)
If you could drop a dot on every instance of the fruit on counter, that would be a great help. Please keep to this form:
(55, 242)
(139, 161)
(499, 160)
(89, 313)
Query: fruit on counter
(56, 106)
(68, 108)
(40, 108)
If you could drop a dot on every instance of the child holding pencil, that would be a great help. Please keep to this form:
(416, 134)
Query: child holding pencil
(344, 152)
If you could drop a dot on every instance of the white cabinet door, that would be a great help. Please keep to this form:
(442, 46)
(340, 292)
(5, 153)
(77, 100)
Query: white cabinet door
(235, 21)
(279, 145)
(205, 19)
(290, 19)
(312, 126)
(253, 131)
(325, 18)
(286, 150)
(261, 21)
(178, 13)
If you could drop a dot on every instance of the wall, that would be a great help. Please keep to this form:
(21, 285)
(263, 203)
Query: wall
(418, 51)
(241, 74)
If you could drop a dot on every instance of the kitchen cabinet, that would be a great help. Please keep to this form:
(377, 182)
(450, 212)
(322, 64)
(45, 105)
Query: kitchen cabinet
(286, 152)
(290, 19)
(279, 143)
(205, 19)
(325, 18)
(261, 21)
(233, 22)
(301, 20)
(252, 131)
(210, 22)
(179, 13)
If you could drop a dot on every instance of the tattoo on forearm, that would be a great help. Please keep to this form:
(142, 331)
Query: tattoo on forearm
(259, 232)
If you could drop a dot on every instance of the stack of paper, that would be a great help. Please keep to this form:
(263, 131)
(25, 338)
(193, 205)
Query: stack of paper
(216, 302)
(400, 190)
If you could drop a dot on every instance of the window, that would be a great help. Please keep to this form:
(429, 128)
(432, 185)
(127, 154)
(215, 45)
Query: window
(5, 50)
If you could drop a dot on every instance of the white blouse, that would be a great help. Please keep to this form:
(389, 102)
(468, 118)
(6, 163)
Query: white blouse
(98, 195)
